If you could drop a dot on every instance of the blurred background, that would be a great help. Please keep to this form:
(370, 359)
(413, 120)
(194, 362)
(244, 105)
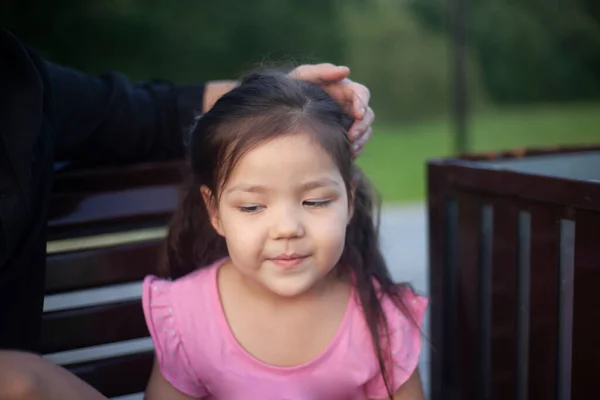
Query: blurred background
(532, 66)
(527, 74)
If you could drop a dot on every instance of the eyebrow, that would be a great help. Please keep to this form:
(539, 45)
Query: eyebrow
(310, 185)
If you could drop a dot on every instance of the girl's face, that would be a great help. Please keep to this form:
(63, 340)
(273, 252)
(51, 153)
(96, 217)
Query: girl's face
(283, 213)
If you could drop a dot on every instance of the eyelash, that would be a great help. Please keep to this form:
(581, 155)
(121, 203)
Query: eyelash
(311, 204)
(318, 204)
(250, 209)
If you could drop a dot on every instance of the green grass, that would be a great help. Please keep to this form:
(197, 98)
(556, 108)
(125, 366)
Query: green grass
(395, 157)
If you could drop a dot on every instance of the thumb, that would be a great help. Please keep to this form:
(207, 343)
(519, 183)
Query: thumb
(321, 73)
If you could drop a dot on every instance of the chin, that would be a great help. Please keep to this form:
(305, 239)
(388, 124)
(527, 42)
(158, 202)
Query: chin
(289, 290)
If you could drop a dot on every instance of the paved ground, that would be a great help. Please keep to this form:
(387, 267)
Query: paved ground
(403, 241)
(404, 245)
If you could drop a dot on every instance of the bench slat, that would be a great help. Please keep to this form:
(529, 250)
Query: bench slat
(75, 215)
(105, 228)
(117, 376)
(103, 266)
(92, 326)
(116, 178)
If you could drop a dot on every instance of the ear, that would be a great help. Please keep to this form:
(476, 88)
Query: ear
(213, 210)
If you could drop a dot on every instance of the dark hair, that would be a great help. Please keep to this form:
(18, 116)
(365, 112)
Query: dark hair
(264, 106)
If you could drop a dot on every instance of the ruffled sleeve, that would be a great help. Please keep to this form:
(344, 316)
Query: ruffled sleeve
(170, 351)
(404, 343)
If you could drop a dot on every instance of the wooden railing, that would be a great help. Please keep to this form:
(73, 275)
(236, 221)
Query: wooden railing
(515, 275)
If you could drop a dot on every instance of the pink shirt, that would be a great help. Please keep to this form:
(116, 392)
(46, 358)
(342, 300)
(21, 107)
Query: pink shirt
(199, 355)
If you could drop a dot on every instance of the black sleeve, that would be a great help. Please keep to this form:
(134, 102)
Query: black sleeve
(106, 118)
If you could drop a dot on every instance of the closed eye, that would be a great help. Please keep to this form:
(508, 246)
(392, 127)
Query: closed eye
(317, 203)
(250, 209)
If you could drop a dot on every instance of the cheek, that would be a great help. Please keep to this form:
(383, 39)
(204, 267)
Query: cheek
(241, 233)
(331, 230)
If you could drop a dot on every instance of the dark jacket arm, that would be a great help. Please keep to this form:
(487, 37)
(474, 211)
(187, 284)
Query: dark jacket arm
(106, 118)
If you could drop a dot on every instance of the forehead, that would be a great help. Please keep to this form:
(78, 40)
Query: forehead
(285, 160)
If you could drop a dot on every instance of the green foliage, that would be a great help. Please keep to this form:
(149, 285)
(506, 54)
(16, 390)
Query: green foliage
(404, 64)
(183, 40)
(530, 50)
(520, 50)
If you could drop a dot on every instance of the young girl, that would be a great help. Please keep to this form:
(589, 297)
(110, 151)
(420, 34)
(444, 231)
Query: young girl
(280, 290)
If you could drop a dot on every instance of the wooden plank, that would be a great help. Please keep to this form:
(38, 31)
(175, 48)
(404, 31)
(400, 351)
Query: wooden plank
(586, 354)
(443, 221)
(116, 178)
(544, 302)
(92, 326)
(467, 246)
(116, 376)
(504, 299)
(103, 266)
(483, 179)
(76, 215)
(105, 240)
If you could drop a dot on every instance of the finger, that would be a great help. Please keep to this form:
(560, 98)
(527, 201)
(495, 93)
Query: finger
(347, 105)
(361, 98)
(347, 91)
(359, 128)
(342, 93)
(359, 145)
(320, 73)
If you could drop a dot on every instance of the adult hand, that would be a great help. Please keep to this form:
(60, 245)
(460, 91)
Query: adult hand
(353, 96)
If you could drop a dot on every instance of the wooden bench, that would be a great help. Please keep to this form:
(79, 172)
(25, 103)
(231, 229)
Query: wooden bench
(515, 275)
(105, 231)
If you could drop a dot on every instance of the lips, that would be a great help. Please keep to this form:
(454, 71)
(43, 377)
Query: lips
(288, 261)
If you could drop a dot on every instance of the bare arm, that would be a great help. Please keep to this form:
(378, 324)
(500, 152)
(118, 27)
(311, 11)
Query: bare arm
(159, 388)
(214, 90)
(412, 389)
(25, 376)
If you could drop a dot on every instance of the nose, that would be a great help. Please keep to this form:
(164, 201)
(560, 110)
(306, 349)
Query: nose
(287, 224)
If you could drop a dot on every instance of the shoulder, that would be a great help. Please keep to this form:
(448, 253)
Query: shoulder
(160, 296)
(180, 308)
(400, 338)
(16, 53)
(406, 305)
(22, 69)
(25, 81)
(176, 313)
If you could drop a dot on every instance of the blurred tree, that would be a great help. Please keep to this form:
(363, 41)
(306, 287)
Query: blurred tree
(404, 64)
(181, 40)
(530, 50)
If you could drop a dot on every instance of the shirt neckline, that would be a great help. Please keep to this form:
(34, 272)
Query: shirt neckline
(226, 329)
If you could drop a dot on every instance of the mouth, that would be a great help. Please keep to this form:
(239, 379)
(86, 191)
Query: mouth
(288, 261)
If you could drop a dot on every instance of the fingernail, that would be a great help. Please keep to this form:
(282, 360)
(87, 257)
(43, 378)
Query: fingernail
(362, 111)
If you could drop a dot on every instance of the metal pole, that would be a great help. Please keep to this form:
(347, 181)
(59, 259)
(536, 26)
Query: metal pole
(458, 24)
